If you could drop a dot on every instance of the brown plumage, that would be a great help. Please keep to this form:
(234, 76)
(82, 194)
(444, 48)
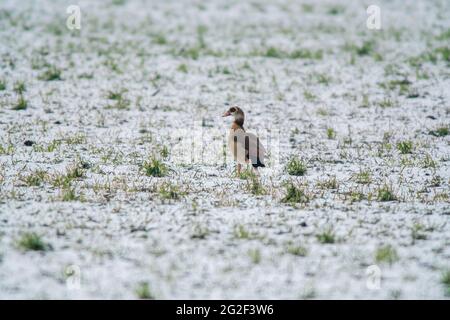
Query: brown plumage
(244, 146)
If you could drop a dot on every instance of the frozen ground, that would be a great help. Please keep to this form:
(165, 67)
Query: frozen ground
(367, 111)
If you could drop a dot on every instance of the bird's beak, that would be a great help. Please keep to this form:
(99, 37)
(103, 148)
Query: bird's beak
(226, 114)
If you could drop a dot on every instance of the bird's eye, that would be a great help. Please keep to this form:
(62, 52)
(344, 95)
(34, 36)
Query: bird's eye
(232, 110)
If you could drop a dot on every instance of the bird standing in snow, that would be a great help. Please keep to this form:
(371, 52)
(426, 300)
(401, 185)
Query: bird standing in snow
(244, 146)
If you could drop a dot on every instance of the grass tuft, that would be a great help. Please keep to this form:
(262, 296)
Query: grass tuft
(78, 138)
(31, 241)
(327, 236)
(418, 232)
(363, 177)
(385, 193)
(143, 291)
(386, 254)
(68, 193)
(168, 191)
(34, 179)
(160, 39)
(240, 232)
(295, 194)
(403, 86)
(254, 185)
(273, 52)
(445, 280)
(366, 48)
(164, 152)
(121, 102)
(439, 132)
(246, 174)
(51, 74)
(52, 146)
(331, 134)
(21, 104)
(64, 180)
(19, 87)
(155, 168)
(296, 167)
(307, 54)
(183, 68)
(299, 251)
(386, 103)
(6, 150)
(405, 147)
(116, 95)
(329, 183)
(255, 255)
(429, 162)
(200, 232)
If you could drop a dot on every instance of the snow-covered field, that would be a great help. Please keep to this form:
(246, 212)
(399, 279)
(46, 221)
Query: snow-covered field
(84, 112)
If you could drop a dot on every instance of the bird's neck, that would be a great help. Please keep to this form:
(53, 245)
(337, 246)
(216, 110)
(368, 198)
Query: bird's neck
(237, 125)
(238, 121)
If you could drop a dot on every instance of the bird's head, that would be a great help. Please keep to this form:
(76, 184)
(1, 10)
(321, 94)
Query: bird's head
(237, 113)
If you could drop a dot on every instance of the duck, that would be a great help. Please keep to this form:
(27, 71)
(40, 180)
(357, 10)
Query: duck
(245, 147)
